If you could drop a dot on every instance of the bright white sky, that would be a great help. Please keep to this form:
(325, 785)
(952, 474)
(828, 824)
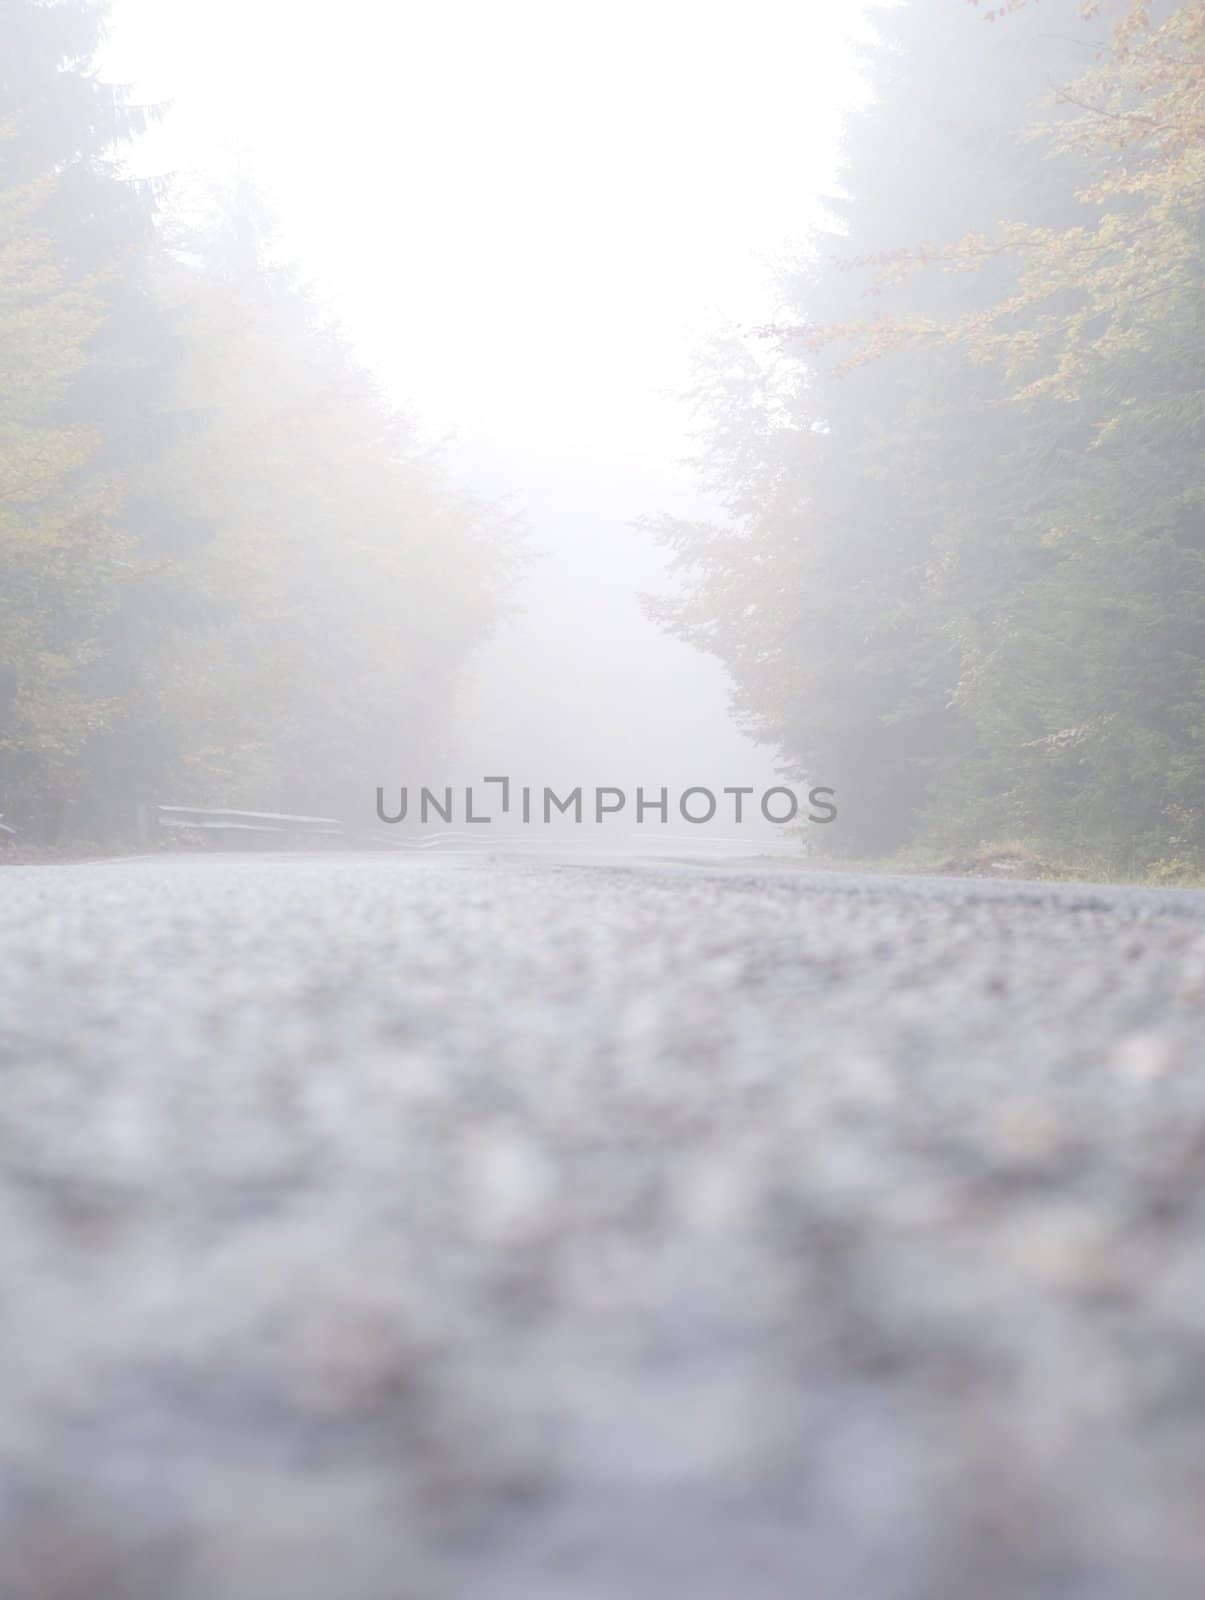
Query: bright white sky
(527, 213)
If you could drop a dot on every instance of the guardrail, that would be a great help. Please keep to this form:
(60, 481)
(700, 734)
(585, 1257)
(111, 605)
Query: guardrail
(158, 824)
(155, 821)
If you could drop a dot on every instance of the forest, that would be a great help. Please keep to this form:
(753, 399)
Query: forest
(962, 571)
(958, 572)
(230, 569)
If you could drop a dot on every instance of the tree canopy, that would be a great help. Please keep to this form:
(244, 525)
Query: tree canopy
(962, 578)
(230, 569)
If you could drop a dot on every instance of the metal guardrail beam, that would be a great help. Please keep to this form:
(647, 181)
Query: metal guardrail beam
(154, 819)
(200, 816)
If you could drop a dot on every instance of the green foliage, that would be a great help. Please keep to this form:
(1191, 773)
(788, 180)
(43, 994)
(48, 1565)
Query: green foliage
(963, 581)
(61, 553)
(229, 570)
(343, 581)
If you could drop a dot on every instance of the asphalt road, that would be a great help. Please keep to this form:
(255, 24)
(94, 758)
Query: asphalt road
(489, 1229)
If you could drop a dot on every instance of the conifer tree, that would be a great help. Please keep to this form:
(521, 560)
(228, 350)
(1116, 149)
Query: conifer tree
(962, 576)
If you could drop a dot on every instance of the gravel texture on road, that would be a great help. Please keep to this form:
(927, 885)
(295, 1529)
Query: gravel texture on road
(479, 1228)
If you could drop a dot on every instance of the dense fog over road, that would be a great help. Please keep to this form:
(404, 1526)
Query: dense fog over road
(649, 396)
(602, 799)
(530, 218)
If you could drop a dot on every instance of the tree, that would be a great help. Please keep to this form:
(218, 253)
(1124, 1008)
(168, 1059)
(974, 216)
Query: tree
(61, 554)
(962, 578)
(228, 568)
(347, 580)
(94, 362)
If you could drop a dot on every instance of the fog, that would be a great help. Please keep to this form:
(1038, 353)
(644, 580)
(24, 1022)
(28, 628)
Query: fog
(602, 799)
(530, 218)
(656, 398)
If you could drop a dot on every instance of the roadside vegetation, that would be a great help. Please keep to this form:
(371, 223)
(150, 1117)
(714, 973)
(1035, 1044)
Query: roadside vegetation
(962, 576)
(230, 570)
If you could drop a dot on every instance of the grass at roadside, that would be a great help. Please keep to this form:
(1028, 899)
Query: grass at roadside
(1014, 860)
